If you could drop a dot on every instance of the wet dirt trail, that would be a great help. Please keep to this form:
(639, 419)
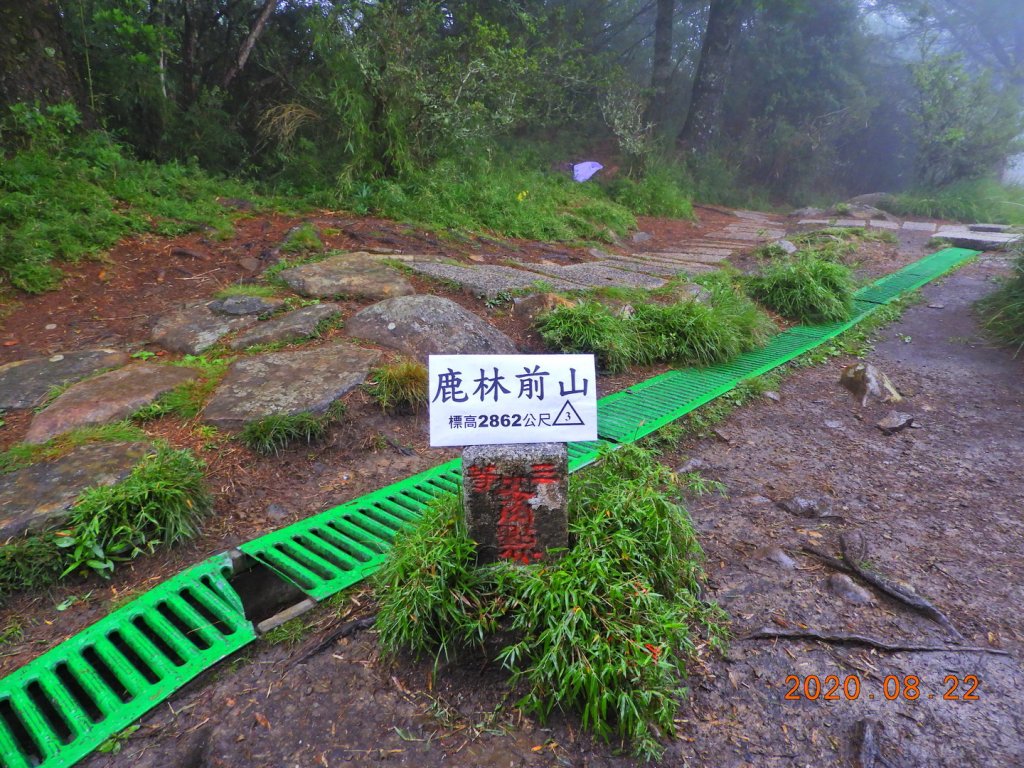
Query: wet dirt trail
(939, 507)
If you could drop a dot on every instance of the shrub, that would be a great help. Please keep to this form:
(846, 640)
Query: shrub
(806, 289)
(606, 631)
(399, 386)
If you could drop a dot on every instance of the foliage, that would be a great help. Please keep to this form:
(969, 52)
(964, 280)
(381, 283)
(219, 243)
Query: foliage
(503, 196)
(400, 386)
(806, 289)
(66, 194)
(659, 192)
(272, 433)
(606, 630)
(685, 332)
(159, 503)
(1002, 312)
(963, 125)
(976, 200)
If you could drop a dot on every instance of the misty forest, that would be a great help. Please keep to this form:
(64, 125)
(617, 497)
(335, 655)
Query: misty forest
(774, 517)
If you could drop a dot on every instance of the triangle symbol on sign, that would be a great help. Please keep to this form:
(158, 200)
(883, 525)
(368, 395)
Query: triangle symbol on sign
(567, 417)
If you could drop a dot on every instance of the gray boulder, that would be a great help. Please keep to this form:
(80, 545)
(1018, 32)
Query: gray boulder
(424, 325)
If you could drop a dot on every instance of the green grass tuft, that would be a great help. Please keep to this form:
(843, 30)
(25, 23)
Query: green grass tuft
(685, 332)
(301, 239)
(806, 289)
(606, 631)
(400, 386)
(271, 434)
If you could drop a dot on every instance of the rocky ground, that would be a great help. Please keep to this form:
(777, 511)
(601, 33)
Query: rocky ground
(936, 505)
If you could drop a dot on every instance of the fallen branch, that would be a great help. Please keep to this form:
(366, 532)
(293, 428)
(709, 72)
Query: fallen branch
(346, 629)
(843, 638)
(851, 564)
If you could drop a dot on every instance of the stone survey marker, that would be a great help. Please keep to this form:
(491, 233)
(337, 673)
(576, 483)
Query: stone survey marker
(487, 399)
(514, 497)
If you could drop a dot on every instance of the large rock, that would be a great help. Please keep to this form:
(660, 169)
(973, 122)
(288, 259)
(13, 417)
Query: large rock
(962, 237)
(40, 496)
(424, 325)
(24, 384)
(357, 275)
(195, 328)
(297, 324)
(109, 397)
(287, 383)
(245, 305)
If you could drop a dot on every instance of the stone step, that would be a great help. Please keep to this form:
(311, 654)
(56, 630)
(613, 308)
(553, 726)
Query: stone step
(489, 280)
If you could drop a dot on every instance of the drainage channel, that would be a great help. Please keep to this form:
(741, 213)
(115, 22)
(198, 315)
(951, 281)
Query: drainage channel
(61, 706)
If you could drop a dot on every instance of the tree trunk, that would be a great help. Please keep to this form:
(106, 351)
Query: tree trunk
(661, 71)
(34, 65)
(703, 120)
(243, 54)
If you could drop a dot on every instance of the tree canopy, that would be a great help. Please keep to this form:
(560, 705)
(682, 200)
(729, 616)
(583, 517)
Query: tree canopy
(800, 98)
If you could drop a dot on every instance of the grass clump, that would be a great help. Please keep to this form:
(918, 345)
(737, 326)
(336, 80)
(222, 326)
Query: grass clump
(606, 631)
(303, 238)
(271, 434)
(684, 332)
(66, 194)
(160, 503)
(1002, 312)
(805, 288)
(400, 386)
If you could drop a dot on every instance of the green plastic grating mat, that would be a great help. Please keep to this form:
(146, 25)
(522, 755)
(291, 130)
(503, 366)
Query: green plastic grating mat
(915, 275)
(63, 705)
(326, 553)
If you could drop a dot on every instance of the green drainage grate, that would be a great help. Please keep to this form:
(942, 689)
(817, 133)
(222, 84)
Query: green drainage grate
(64, 704)
(915, 275)
(325, 554)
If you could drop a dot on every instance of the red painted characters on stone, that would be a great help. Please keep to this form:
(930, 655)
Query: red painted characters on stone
(515, 496)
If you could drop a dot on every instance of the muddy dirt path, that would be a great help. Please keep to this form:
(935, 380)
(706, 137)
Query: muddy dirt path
(939, 507)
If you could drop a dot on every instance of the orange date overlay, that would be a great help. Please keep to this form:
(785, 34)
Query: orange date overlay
(908, 688)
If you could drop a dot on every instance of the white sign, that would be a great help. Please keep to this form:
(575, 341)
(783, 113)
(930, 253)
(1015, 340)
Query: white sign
(483, 399)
